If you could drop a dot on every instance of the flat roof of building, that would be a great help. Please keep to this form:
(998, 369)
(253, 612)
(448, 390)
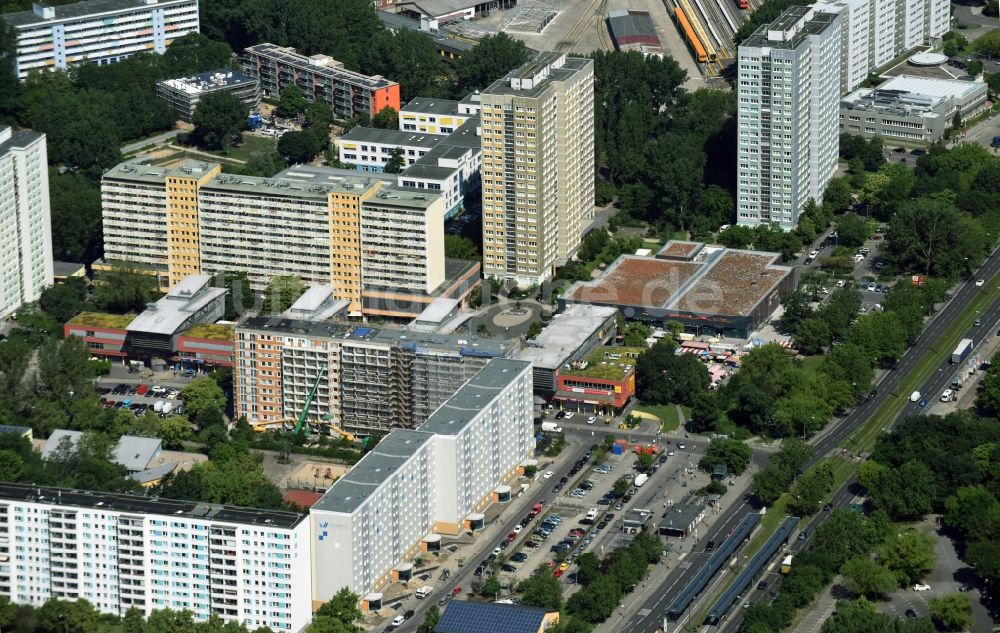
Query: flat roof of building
(636, 281)
(438, 310)
(462, 141)
(332, 176)
(399, 336)
(932, 87)
(427, 105)
(601, 364)
(320, 64)
(564, 334)
(570, 67)
(679, 249)
(351, 491)
(173, 310)
(149, 505)
(209, 81)
(213, 331)
(67, 269)
(718, 280)
(789, 30)
(398, 138)
(85, 9)
(137, 171)
(440, 8)
(474, 396)
(135, 453)
(99, 319)
(461, 616)
(632, 26)
(358, 184)
(17, 139)
(681, 515)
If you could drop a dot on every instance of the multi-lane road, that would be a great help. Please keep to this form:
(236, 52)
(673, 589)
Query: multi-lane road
(649, 615)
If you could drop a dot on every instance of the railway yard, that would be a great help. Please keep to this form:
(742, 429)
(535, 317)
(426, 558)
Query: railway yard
(697, 33)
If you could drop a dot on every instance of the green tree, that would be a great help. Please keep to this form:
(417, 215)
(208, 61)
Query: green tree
(541, 590)
(952, 611)
(64, 616)
(298, 147)
(811, 489)
(491, 586)
(930, 235)
(292, 102)
(621, 486)
(858, 616)
(397, 161)
(412, 59)
(195, 53)
(812, 336)
(174, 430)
(343, 606)
(64, 301)
(597, 601)
(881, 335)
(218, 120)
(281, 293)
(852, 230)
(11, 466)
(201, 395)
(910, 556)
(733, 453)
(705, 413)
(431, 620)
(865, 577)
(770, 483)
(988, 44)
(838, 195)
(387, 119)
(973, 510)
(75, 203)
(240, 297)
(988, 397)
(736, 236)
(458, 247)
(905, 493)
(492, 58)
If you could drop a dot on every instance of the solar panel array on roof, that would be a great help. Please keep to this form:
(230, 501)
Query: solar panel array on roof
(488, 617)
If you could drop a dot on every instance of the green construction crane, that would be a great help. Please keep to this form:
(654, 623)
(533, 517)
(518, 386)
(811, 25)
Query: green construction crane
(309, 399)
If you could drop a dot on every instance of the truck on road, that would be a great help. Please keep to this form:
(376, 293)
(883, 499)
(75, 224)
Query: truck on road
(551, 427)
(641, 479)
(962, 351)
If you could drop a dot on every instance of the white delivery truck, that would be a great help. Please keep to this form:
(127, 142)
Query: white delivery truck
(551, 427)
(424, 591)
(641, 479)
(914, 396)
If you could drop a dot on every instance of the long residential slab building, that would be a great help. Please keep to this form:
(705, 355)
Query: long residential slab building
(321, 78)
(418, 484)
(379, 246)
(370, 378)
(96, 31)
(122, 551)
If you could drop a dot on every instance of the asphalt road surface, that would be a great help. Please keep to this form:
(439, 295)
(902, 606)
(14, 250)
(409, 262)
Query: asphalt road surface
(649, 617)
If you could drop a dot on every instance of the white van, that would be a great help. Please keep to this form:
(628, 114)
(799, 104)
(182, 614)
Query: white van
(914, 396)
(424, 591)
(946, 396)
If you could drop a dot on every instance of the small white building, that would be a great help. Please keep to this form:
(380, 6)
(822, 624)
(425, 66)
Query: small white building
(437, 116)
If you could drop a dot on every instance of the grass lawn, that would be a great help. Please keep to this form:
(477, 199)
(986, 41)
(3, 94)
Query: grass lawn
(251, 146)
(667, 413)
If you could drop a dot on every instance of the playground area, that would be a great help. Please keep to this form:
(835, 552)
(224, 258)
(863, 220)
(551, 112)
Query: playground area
(314, 475)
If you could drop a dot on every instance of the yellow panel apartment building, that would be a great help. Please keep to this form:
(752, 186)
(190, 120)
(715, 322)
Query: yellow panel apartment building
(538, 166)
(379, 246)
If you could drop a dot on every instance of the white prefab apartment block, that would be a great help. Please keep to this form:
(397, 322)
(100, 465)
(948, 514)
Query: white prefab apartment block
(788, 115)
(121, 551)
(437, 116)
(538, 161)
(415, 482)
(875, 32)
(25, 224)
(97, 31)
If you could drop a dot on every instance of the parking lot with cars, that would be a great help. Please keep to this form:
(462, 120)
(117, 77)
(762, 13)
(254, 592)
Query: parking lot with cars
(142, 398)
